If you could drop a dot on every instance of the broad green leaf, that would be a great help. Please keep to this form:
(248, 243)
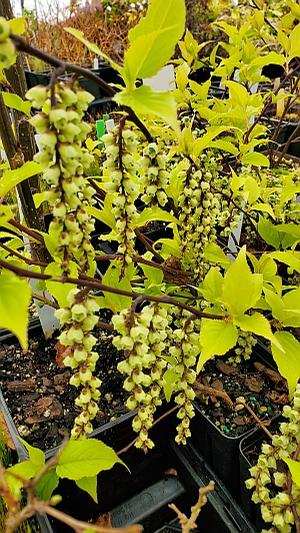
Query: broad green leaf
(291, 302)
(213, 285)
(154, 275)
(92, 46)
(153, 39)
(290, 258)
(15, 102)
(85, 458)
(15, 296)
(89, 484)
(241, 289)
(294, 468)
(294, 43)
(268, 232)
(169, 382)
(26, 470)
(60, 291)
(257, 324)
(111, 279)
(47, 484)
(5, 213)
(105, 215)
(151, 214)
(36, 456)
(288, 363)
(217, 337)
(18, 25)
(40, 197)
(11, 178)
(265, 208)
(145, 101)
(205, 141)
(291, 229)
(267, 59)
(224, 145)
(238, 93)
(215, 254)
(256, 159)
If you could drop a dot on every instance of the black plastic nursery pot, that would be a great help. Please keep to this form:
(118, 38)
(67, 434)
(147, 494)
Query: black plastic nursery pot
(106, 72)
(221, 450)
(286, 130)
(168, 473)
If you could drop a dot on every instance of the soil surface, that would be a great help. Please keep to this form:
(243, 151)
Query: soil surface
(264, 390)
(38, 394)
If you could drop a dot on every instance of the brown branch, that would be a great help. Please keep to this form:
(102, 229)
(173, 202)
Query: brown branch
(187, 524)
(85, 281)
(211, 391)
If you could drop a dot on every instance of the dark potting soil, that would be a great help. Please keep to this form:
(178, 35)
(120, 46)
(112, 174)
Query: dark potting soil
(38, 394)
(264, 394)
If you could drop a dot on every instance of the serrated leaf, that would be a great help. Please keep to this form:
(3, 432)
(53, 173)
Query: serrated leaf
(11, 178)
(288, 363)
(217, 337)
(153, 39)
(257, 324)
(256, 159)
(15, 296)
(89, 485)
(154, 213)
(85, 458)
(169, 381)
(47, 484)
(15, 102)
(36, 456)
(145, 101)
(241, 289)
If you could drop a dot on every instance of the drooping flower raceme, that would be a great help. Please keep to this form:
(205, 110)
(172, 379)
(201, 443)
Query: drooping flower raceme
(142, 337)
(60, 134)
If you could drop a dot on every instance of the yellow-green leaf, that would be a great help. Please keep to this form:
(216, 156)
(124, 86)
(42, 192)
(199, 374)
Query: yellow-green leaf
(288, 363)
(153, 39)
(259, 325)
(241, 289)
(11, 178)
(217, 337)
(145, 101)
(15, 296)
(15, 102)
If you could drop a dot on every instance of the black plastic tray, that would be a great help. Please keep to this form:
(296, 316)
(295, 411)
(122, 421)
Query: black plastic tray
(168, 473)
